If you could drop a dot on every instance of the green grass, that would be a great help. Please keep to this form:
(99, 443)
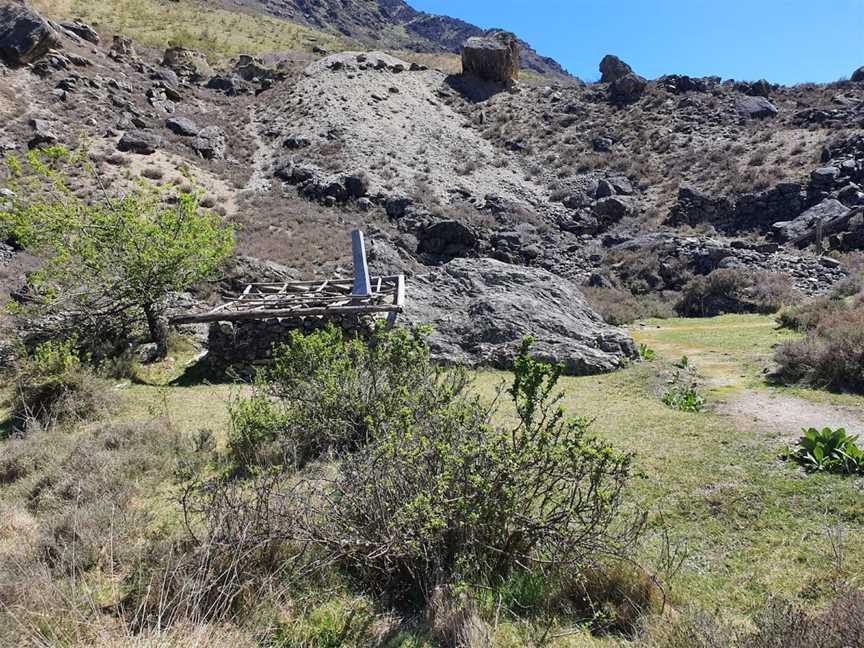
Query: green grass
(755, 525)
(219, 33)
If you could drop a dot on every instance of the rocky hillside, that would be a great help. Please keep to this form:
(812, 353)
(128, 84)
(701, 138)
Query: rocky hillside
(626, 189)
(389, 25)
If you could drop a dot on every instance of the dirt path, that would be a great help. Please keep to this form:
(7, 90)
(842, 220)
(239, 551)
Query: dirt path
(787, 415)
(728, 352)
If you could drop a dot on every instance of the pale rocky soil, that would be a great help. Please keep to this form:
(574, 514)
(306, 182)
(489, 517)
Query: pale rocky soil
(785, 416)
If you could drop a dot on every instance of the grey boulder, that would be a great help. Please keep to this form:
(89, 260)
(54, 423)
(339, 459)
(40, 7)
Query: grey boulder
(755, 107)
(182, 126)
(492, 58)
(831, 215)
(24, 35)
(481, 309)
(613, 68)
(140, 142)
(210, 143)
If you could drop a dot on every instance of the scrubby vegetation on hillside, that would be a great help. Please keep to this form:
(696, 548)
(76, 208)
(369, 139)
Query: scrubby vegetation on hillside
(218, 32)
(831, 353)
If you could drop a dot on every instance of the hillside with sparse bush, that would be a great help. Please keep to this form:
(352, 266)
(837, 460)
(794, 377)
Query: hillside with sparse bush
(622, 407)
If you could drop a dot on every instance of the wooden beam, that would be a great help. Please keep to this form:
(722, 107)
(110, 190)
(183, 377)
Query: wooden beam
(294, 313)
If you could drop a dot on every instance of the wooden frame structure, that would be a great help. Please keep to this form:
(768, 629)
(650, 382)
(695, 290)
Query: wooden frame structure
(331, 299)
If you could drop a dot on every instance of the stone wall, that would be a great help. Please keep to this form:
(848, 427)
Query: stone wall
(750, 211)
(241, 346)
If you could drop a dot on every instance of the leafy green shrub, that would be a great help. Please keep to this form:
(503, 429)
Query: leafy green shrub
(329, 392)
(442, 496)
(735, 290)
(682, 391)
(829, 451)
(108, 257)
(647, 353)
(52, 387)
(831, 356)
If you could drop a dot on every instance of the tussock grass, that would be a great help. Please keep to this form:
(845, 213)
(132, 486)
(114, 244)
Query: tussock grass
(219, 33)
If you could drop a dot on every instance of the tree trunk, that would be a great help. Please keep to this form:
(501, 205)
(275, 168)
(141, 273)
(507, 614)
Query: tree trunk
(158, 330)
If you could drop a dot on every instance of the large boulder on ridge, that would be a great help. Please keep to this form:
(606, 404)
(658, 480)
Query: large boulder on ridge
(481, 309)
(24, 35)
(492, 58)
(628, 89)
(613, 68)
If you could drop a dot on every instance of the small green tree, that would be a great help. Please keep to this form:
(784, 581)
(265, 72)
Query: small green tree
(107, 254)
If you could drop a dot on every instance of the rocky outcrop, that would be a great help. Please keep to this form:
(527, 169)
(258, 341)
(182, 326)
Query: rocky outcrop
(82, 30)
(494, 58)
(826, 218)
(448, 238)
(678, 258)
(613, 68)
(188, 64)
(750, 211)
(24, 35)
(681, 83)
(480, 310)
(140, 142)
(628, 89)
(755, 107)
(858, 75)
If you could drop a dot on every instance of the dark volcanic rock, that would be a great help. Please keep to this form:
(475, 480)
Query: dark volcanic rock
(140, 142)
(858, 75)
(612, 68)
(182, 126)
(679, 84)
(480, 309)
(231, 84)
(82, 30)
(24, 35)
(447, 238)
(494, 58)
(830, 215)
(628, 89)
(755, 107)
(210, 143)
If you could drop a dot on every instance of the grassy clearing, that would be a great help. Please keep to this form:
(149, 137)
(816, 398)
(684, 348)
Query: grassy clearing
(753, 526)
(219, 33)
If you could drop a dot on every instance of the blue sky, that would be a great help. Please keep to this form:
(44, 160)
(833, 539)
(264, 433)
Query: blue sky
(784, 41)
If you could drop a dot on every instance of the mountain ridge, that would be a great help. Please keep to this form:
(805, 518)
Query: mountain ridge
(391, 24)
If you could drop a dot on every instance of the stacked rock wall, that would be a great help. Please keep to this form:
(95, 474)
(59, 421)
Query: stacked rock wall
(240, 347)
